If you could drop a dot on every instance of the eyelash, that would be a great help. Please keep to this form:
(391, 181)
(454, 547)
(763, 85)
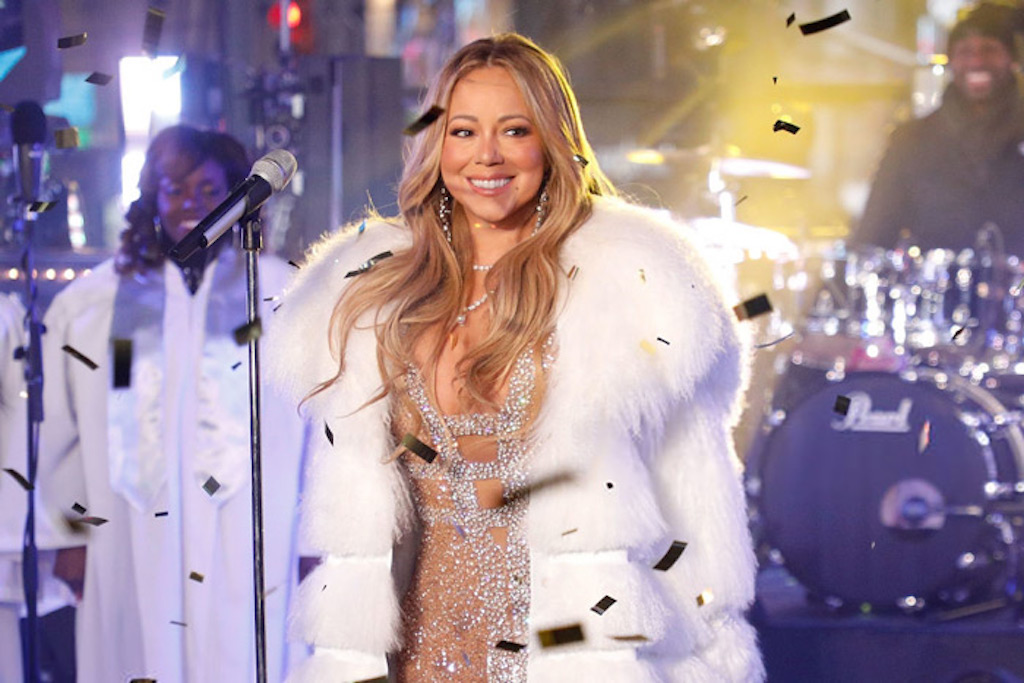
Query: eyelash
(519, 131)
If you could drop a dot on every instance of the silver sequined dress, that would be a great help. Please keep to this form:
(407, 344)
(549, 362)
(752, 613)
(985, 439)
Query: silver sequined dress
(471, 586)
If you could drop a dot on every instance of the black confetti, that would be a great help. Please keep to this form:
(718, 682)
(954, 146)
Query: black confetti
(570, 531)
(196, 576)
(740, 200)
(421, 449)
(370, 263)
(162, 513)
(211, 486)
(509, 645)
(236, 365)
(825, 24)
(790, 19)
(152, 29)
(765, 345)
(958, 332)
(122, 363)
(179, 623)
(293, 264)
(786, 126)
(142, 680)
(842, 405)
(248, 332)
(561, 636)
(98, 78)
(72, 41)
(41, 207)
(610, 485)
(79, 356)
(603, 604)
(79, 508)
(573, 272)
(330, 434)
(420, 124)
(66, 138)
(92, 521)
(18, 477)
(670, 557)
(663, 341)
(775, 80)
(751, 308)
(635, 638)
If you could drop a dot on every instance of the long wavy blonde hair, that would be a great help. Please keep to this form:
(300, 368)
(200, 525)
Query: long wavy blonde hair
(422, 289)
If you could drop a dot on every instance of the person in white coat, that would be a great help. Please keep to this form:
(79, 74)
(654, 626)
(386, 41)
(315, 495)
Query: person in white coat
(147, 434)
(530, 385)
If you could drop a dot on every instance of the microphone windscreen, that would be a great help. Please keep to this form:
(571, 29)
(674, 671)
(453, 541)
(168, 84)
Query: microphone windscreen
(28, 124)
(277, 168)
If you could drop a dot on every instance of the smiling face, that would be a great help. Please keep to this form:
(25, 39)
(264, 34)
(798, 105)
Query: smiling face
(492, 159)
(183, 202)
(981, 67)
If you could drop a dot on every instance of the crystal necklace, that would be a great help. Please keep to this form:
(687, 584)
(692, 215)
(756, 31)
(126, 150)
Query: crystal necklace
(461, 319)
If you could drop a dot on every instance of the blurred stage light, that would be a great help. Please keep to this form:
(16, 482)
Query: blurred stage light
(150, 102)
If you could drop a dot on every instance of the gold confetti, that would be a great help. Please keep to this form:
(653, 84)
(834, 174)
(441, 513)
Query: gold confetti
(72, 41)
(66, 138)
(647, 346)
(564, 635)
(196, 576)
(704, 598)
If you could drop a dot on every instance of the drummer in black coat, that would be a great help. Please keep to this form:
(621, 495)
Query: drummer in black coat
(948, 175)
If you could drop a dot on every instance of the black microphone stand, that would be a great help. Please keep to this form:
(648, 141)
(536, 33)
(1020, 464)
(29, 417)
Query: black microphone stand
(32, 356)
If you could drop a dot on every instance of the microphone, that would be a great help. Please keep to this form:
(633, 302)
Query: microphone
(28, 132)
(268, 175)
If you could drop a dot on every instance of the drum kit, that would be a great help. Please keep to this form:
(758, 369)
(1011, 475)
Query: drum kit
(888, 469)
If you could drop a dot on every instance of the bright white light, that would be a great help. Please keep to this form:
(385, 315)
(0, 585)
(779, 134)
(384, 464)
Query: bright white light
(69, 274)
(150, 94)
(131, 167)
(51, 274)
(12, 274)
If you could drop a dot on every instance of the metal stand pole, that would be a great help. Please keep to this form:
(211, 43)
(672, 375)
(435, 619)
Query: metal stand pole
(252, 242)
(32, 356)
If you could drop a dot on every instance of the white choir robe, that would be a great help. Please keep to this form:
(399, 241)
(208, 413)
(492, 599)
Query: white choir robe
(132, 454)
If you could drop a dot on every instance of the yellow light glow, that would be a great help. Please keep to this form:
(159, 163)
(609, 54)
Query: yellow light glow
(650, 157)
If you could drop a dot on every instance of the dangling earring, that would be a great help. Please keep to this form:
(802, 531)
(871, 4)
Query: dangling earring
(444, 213)
(542, 209)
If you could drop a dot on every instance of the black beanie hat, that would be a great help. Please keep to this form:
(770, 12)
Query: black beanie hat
(991, 21)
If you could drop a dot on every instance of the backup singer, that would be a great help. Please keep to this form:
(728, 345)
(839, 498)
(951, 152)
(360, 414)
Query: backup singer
(528, 387)
(155, 440)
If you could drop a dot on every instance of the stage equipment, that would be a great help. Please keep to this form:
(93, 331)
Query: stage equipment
(270, 174)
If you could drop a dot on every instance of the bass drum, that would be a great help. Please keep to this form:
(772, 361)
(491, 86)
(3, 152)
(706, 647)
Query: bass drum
(888, 504)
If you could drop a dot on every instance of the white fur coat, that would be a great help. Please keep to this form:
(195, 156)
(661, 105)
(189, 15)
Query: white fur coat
(639, 407)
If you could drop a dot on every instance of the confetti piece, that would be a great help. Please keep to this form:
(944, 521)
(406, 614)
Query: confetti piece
(248, 332)
(211, 486)
(196, 576)
(570, 531)
(509, 645)
(704, 598)
(564, 635)
(162, 513)
(79, 356)
(98, 78)
(414, 445)
(236, 365)
(534, 487)
(603, 604)
(790, 19)
(362, 228)
(580, 159)
(842, 405)
(958, 332)
(420, 124)
(79, 508)
(636, 638)
(573, 272)
(609, 485)
(924, 438)
(41, 207)
(66, 138)
(773, 343)
(72, 41)
(18, 477)
(647, 346)
(670, 557)
(293, 264)
(370, 263)
(179, 623)
(740, 200)
(92, 521)
(825, 24)
(751, 308)
(122, 363)
(152, 29)
(775, 80)
(329, 433)
(663, 341)
(643, 276)
(786, 126)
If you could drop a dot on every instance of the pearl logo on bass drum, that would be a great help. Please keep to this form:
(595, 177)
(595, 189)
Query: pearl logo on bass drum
(860, 418)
